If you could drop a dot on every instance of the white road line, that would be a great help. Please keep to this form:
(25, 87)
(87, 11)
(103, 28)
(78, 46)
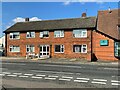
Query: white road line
(61, 66)
(2, 74)
(23, 76)
(83, 78)
(53, 76)
(15, 63)
(36, 77)
(17, 73)
(50, 78)
(112, 68)
(115, 81)
(67, 77)
(61, 79)
(115, 84)
(6, 72)
(98, 82)
(51, 72)
(103, 80)
(40, 75)
(28, 74)
(12, 75)
(80, 81)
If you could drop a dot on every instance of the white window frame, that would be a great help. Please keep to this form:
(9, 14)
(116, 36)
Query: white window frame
(60, 33)
(29, 35)
(13, 47)
(12, 35)
(80, 35)
(42, 34)
(82, 47)
(61, 47)
(30, 46)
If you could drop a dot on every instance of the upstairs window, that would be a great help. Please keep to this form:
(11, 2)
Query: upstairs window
(81, 33)
(59, 33)
(44, 34)
(14, 49)
(59, 48)
(80, 48)
(30, 35)
(15, 35)
(117, 49)
(30, 48)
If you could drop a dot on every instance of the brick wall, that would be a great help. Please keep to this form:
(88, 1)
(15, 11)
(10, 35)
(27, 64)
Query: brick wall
(68, 41)
(103, 52)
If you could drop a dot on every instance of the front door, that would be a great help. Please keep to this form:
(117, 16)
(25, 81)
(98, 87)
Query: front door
(44, 51)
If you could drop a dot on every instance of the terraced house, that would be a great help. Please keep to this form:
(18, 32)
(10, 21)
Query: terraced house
(87, 38)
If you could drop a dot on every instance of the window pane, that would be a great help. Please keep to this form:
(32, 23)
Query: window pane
(57, 33)
(77, 48)
(40, 48)
(57, 48)
(62, 33)
(47, 48)
(44, 48)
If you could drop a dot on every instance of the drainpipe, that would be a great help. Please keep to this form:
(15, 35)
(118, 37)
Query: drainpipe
(5, 44)
(91, 45)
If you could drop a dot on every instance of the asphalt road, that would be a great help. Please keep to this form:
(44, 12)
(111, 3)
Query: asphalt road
(46, 75)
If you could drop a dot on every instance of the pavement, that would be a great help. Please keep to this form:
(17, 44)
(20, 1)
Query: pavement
(61, 61)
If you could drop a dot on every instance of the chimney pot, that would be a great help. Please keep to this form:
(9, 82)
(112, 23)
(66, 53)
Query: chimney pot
(84, 15)
(27, 19)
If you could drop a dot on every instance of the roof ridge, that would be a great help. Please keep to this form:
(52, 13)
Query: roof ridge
(57, 19)
(111, 9)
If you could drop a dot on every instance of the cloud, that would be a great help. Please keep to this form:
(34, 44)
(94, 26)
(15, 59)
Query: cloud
(20, 19)
(67, 2)
(35, 19)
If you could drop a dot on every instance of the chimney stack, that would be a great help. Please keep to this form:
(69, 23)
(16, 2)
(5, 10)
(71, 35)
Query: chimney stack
(109, 9)
(26, 19)
(84, 15)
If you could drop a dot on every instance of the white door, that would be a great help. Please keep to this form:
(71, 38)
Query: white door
(44, 51)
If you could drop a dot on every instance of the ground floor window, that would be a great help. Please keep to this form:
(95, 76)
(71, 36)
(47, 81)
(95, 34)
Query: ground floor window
(59, 48)
(14, 48)
(117, 49)
(80, 48)
(30, 48)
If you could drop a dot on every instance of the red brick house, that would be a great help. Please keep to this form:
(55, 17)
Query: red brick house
(84, 38)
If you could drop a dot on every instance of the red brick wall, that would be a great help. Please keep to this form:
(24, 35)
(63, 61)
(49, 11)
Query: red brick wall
(103, 52)
(68, 41)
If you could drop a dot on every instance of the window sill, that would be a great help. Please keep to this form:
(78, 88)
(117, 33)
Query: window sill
(59, 52)
(14, 39)
(30, 37)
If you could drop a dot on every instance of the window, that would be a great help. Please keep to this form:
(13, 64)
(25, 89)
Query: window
(80, 33)
(30, 34)
(59, 48)
(15, 35)
(30, 48)
(14, 49)
(117, 49)
(80, 48)
(44, 34)
(59, 33)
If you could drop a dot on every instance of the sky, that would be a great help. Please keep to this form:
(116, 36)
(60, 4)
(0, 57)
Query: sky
(13, 12)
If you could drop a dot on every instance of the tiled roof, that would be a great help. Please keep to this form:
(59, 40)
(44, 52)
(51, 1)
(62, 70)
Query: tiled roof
(108, 23)
(87, 22)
